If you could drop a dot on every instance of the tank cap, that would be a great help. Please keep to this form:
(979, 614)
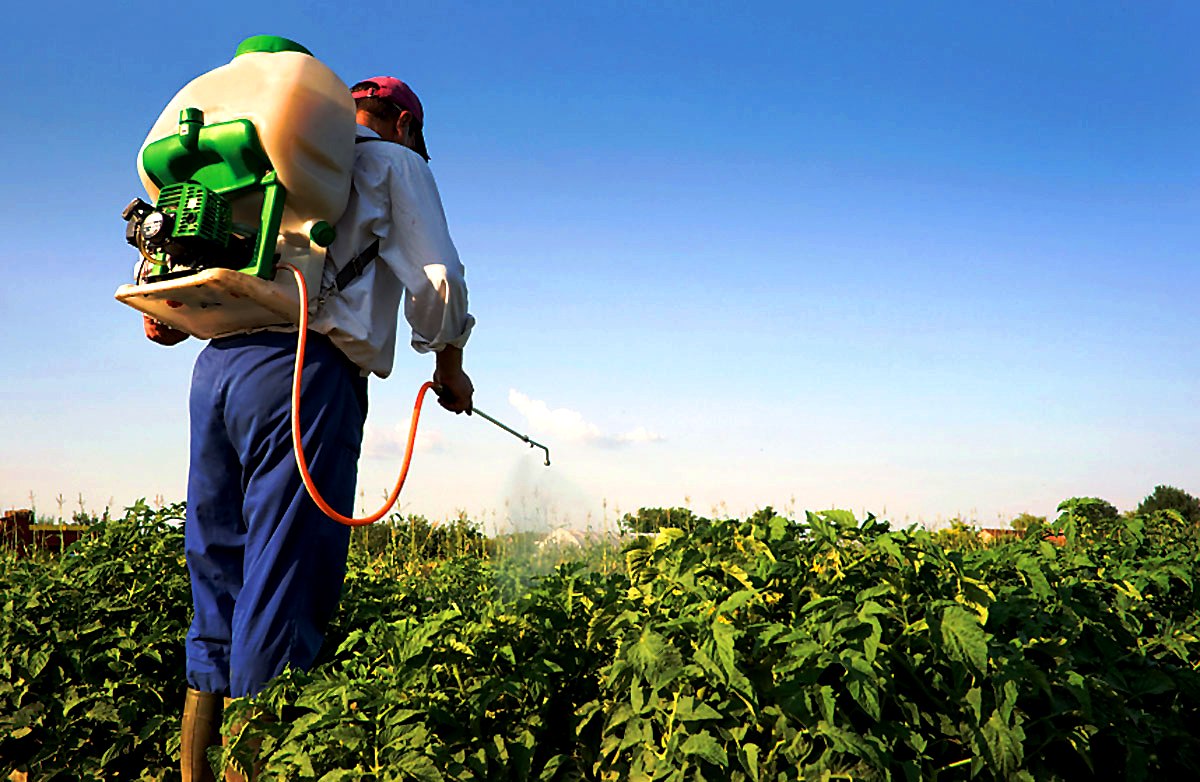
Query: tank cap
(269, 43)
(322, 233)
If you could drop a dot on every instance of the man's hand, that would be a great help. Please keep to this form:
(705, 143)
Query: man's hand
(156, 331)
(161, 332)
(456, 389)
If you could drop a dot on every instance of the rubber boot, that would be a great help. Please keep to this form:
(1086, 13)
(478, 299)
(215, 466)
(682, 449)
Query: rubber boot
(201, 730)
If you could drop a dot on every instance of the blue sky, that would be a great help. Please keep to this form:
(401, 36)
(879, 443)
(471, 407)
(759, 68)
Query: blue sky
(921, 259)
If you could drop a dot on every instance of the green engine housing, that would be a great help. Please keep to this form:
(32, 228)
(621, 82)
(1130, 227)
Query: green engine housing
(199, 214)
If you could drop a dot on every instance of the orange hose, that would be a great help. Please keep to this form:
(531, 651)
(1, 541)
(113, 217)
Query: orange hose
(298, 447)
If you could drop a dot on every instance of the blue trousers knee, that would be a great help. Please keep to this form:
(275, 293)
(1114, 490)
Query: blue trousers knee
(266, 564)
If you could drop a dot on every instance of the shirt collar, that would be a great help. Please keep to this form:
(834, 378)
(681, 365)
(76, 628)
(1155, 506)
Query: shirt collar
(362, 131)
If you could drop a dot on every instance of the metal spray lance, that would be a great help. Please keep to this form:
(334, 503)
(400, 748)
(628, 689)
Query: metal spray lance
(522, 437)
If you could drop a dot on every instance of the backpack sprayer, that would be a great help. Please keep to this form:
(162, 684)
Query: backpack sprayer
(249, 166)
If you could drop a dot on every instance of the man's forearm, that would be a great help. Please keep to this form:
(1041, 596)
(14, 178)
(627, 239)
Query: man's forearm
(449, 359)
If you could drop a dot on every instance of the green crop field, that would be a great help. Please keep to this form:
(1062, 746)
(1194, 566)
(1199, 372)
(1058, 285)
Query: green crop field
(819, 648)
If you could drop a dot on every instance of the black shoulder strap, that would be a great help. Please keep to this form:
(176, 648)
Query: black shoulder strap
(350, 272)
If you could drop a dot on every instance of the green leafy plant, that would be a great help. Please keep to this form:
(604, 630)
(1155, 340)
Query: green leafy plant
(92, 670)
(767, 649)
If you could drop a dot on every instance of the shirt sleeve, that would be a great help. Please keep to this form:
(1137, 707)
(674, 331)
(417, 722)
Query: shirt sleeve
(416, 246)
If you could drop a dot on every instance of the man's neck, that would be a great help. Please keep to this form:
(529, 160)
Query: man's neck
(368, 121)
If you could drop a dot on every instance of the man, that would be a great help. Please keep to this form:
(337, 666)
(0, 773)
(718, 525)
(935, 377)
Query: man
(266, 564)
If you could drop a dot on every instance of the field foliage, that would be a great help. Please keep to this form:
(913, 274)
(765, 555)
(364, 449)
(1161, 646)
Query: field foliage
(765, 649)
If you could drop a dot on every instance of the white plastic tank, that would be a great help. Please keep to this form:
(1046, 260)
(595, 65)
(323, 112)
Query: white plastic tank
(304, 116)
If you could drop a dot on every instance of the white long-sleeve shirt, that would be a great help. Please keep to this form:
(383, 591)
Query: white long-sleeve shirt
(393, 198)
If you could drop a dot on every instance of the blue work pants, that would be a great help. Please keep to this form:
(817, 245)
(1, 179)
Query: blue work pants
(266, 564)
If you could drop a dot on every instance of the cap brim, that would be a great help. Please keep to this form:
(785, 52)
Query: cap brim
(419, 141)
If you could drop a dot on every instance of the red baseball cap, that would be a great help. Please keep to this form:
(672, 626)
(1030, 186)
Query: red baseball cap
(397, 92)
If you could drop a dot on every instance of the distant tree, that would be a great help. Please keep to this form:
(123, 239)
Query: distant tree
(1170, 498)
(1025, 521)
(763, 515)
(1091, 511)
(959, 535)
(654, 519)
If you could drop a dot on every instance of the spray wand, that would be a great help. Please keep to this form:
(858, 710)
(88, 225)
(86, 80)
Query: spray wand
(513, 432)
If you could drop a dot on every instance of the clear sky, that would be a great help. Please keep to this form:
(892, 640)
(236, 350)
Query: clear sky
(921, 259)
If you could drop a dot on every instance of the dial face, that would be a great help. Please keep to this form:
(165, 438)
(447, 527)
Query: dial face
(153, 225)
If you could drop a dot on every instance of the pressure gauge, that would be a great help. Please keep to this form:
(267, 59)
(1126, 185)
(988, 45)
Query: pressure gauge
(156, 228)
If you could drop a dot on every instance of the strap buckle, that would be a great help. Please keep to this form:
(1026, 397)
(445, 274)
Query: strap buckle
(352, 270)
